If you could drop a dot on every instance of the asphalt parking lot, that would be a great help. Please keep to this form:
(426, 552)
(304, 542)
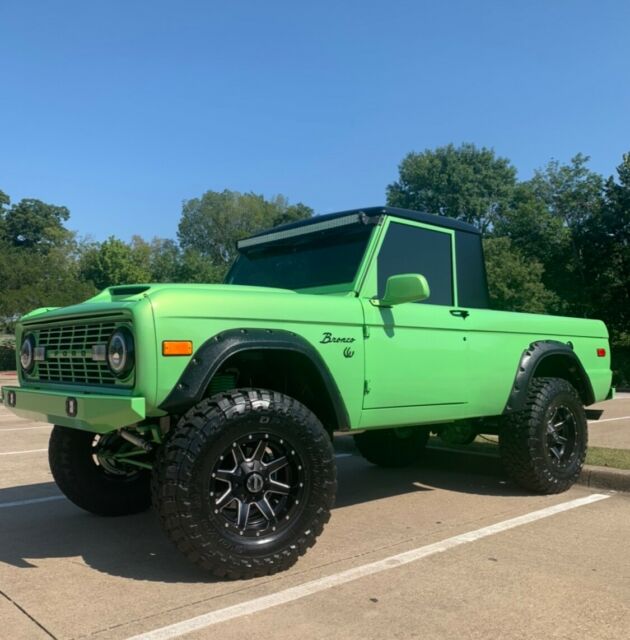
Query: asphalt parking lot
(447, 549)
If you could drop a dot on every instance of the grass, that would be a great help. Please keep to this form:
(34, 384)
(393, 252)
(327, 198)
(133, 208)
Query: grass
(597, 456)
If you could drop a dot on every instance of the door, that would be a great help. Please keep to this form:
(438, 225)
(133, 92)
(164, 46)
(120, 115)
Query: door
(416, 353)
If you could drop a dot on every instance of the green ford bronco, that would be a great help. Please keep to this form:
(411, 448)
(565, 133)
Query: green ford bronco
(217, 403)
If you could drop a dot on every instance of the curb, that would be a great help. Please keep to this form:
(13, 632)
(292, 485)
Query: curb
(591, 476)
(605, 478)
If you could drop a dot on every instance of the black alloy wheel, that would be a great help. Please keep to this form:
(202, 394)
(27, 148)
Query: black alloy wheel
(256, 485)
(561, 436)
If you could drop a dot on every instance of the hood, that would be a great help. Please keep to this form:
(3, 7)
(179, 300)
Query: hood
(128, 295)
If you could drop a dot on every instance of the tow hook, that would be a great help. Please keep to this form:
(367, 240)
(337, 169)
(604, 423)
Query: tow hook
(138, 442)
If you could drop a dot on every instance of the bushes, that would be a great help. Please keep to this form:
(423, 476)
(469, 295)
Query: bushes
(7, 355)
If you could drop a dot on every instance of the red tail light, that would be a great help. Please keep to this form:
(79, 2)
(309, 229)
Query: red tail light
(601, 353)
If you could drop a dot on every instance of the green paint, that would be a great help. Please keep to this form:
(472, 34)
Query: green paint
(411, 363)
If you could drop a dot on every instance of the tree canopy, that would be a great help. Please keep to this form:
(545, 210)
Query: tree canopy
(466, 182)
(212, 224)
(556, 243)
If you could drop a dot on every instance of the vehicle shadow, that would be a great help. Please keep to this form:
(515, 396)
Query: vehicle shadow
(135, 547)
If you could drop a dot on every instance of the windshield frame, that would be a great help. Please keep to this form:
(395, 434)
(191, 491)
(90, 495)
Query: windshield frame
(279, 237)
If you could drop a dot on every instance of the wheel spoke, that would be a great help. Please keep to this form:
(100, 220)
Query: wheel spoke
(265, 508)
(243, 514)
(222, 501)
(556, 453)
(237, 452)
(276, 465)
(258, 454)
(278, 487)
(227, 475)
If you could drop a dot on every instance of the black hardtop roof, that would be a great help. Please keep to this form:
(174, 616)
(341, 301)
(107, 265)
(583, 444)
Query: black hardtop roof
(374, 212)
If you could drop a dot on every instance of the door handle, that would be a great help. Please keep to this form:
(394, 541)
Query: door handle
(461, 313)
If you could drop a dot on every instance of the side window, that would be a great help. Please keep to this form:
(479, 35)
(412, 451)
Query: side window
(409, 249)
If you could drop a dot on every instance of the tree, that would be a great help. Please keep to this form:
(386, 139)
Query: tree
(165, 260)
(573, 195)
(571, 192)
(607, 255)
(33, 224)
(212, 224)
(113, 262)
(514, 281)
(468, 183)
(29, 280)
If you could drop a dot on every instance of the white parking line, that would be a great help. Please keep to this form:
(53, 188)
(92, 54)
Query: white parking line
(21, 503)
(608, 420)
(328, 582)
(46, 426)
(15, 453)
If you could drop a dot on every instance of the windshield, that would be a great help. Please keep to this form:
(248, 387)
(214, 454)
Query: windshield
(315, 259)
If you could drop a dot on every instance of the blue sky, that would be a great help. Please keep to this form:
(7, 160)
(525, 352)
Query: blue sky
(122, 109)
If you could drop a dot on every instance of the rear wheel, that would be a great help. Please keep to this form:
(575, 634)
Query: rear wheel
(392, 447)
(88, 476)
(544, 446)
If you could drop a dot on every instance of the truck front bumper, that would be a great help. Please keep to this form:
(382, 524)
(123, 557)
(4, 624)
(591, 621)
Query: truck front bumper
(89, 412)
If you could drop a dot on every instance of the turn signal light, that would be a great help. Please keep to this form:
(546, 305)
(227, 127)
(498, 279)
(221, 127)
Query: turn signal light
(601, 353)
(177, 348)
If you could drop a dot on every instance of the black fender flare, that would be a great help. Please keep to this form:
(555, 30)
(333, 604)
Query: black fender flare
(531, 359)
(208, 359)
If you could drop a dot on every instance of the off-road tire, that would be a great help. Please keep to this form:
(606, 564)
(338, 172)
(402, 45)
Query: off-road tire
(89, 486)
(523, 439)
(182, 478)
(392, 447)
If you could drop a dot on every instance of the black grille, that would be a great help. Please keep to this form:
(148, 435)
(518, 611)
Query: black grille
(68, 351)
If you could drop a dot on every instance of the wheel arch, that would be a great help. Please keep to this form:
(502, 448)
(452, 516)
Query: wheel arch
(553, 359)
(263, 357)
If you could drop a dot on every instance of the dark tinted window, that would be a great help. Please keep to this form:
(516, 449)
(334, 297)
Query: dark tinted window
(409, 249)
(472, 288)
(311, 260)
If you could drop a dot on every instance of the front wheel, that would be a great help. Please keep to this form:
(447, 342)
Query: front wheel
(88, 476)
(543, 447)
(245, 483)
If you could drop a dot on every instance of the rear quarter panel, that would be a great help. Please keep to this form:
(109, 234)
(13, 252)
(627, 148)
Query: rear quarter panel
(497, 339)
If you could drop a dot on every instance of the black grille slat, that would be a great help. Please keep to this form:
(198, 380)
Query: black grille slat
(69, 353)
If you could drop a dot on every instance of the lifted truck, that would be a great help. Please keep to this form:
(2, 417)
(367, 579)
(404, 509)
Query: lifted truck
(217, 403)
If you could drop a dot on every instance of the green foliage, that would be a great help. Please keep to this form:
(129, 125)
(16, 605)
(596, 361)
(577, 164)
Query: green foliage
(466, 182)
(557, 243)
(607, 253)
(115, 262)
(571, 192)
(515, 282)
(29, 280)
(33, 224)
(7, 353)
(212, 224)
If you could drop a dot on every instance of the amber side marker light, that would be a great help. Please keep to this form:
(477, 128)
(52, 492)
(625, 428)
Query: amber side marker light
(601, 353)
(177, 348)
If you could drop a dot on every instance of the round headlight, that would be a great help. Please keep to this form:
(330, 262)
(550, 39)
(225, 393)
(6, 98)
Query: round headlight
(27, 353)
(120, 356)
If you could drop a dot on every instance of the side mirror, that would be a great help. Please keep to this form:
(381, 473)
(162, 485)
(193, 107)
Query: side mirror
(406, 287)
